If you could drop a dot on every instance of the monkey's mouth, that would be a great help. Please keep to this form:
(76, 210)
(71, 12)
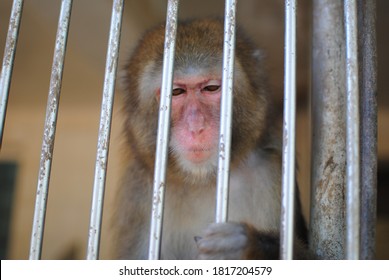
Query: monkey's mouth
(199, 154)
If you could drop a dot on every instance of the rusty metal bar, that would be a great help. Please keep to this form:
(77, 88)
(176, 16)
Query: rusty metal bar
(223, 174)
(289, 135)
(352, 132)
(368, 109)
(49, 131)
(8, 60)
(104, 131)
(327, 220)
(163, 131)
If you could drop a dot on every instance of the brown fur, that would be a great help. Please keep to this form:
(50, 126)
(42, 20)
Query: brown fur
(255, 150)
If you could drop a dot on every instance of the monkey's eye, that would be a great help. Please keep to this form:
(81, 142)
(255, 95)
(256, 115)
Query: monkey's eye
(178, 91)
(211, 88)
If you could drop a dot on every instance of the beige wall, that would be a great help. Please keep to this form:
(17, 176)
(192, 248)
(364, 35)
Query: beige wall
(71, 178)
(76, 140)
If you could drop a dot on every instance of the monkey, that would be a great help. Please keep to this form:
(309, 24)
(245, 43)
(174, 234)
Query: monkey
(252, 230)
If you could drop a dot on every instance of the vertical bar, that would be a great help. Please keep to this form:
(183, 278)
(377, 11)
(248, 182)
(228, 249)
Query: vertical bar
(327, 220)
(104, 131)
(289, 134)
(8, 60)
(49, 130)
(163, 131)
(223, 175)
(352, 136)
(368, 107)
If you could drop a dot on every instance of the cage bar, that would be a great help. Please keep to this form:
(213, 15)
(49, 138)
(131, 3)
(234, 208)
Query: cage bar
(352, 132)
(49, 131)
(104, 131)
(289, 134)
(163, 131)
(327, 220)
(368, 110)
(223, 174)
(8, 60)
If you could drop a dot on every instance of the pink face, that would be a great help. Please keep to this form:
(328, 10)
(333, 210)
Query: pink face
(195, 120)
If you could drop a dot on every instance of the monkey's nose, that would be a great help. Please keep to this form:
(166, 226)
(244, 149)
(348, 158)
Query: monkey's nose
(196, 127)
(196, 123)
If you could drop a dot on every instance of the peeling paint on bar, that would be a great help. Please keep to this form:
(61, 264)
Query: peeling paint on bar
(104, 131)
(163, 132)
(327, 218)
(8, 60)
(223, 174)
(49, 131)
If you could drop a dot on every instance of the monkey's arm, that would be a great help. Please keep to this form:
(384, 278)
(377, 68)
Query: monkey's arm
(131, 217)
(243, 241)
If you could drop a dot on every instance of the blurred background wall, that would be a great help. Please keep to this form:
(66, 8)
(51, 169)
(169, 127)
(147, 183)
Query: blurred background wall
(72, 174)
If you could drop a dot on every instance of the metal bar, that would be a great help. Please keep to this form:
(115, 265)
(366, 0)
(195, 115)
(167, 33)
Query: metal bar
(8, 60)
(352, 136)
(289, 134)
(104, 131)
(163, 131)
(327, 220)
(368, 106)
(223, 174)
(49, 131)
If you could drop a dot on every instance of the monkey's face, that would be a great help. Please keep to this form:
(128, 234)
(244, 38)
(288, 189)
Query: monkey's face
(195, 121)
(196, 95)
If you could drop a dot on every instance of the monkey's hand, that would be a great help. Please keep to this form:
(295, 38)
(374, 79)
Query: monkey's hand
(236, 241)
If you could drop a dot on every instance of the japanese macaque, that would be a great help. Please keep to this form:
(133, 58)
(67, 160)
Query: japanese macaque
(255, 179)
